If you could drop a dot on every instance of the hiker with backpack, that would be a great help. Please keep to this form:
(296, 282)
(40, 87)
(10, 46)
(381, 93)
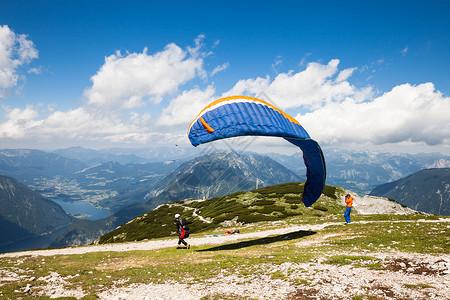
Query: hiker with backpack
(183, 230)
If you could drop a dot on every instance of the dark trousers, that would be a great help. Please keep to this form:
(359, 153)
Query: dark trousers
(181, 241)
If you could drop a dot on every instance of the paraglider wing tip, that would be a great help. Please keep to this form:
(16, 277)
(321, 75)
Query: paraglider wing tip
(308, 202)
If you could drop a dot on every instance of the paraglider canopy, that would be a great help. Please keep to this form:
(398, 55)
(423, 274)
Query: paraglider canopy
(241, 116)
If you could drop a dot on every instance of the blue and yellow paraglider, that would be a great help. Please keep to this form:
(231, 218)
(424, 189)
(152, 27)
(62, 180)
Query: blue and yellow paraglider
(241, 115)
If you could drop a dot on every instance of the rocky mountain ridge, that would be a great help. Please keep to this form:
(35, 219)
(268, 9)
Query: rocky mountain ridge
(216, 174)
(362, 171)
(427, 191)
(115, 186)
(26, 215)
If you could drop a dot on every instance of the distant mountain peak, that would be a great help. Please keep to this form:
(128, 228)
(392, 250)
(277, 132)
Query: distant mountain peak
(426, 190)
(441, 163)
(26, 214)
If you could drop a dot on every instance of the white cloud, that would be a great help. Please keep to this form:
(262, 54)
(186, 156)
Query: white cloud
(345, 74)
(122, 84)
(407, 113)
(125, 82)
(340, 113)
(334, 111)
(199, 44)
(16, 50)
(249, 87)
(75, 124)
(404, 51)
(277, 64)
(36, 71)
(312, 87)
(220, 68)
(184, 108)
(19, 122)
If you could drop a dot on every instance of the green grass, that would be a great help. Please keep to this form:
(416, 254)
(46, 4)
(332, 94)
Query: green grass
(418, 286)
(97, 272)
(347, 259)
(399, 235)
(248, 212)
(278, 202)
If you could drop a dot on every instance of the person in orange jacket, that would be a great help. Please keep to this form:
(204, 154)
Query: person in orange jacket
(349, 202)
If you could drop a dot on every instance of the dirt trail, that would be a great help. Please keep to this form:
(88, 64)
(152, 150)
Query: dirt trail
(166, 243)
(195, 241)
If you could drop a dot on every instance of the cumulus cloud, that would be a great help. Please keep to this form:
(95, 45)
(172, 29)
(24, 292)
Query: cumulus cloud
(126, 81)
(16, 50)
(345, 74)
(312, 87)
(77, 124)
(19, 122)
(110, 113)
(335, 112)
(183, 109)
(320, 96)
(407, 113)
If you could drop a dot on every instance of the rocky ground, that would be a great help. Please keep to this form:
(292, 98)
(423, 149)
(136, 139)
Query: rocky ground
(422, 277)
(398, 276)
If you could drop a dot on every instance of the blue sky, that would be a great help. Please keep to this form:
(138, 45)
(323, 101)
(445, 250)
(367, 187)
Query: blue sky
(366, 74)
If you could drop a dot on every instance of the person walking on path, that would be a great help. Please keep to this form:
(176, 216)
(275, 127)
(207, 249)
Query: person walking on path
(183, 230)
(349, 203)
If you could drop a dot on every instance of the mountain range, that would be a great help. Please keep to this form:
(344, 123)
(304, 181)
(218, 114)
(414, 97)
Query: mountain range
(138, 184)
(27, 217)
(108, 178)
(362, 171)
(222, 173)
(105, 184)
(128, 155)
(427, 191)
(211, 175)
(27, 165)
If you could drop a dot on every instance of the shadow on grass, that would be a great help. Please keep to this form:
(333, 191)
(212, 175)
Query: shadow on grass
(262, 241)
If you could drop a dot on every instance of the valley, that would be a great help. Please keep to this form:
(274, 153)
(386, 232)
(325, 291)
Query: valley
(104, 194)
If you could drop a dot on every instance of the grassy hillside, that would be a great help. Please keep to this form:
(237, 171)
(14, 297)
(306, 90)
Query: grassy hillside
(374, 257)
(272, 203)
(275, 203)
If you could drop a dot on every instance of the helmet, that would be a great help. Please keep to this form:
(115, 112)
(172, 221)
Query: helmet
(177, 216)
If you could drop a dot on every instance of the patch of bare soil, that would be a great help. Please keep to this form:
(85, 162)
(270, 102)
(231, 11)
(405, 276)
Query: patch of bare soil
(406, 265)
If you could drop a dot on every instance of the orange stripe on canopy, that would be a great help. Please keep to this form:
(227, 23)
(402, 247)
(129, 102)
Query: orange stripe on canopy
(206, 125)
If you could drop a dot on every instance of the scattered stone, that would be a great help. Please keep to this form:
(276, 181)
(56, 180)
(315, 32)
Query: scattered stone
(27, 289)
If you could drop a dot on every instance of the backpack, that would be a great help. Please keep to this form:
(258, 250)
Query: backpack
(184, 229)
